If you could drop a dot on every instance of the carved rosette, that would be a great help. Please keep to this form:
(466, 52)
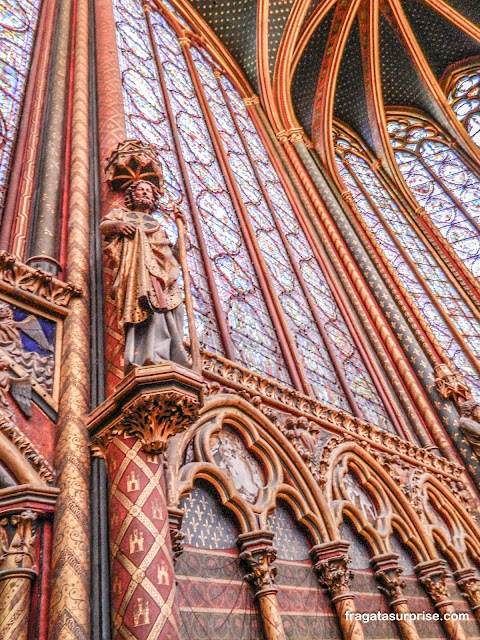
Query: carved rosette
(262, 575)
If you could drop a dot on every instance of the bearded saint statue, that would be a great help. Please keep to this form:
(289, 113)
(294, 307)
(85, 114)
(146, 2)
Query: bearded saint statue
(145, 288)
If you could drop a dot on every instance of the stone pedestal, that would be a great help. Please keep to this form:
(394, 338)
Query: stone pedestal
(258, 555)
(331, 564)
(131, 431)
(387, 573)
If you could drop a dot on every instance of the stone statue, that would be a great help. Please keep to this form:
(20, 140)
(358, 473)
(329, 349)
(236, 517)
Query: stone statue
(145, 288)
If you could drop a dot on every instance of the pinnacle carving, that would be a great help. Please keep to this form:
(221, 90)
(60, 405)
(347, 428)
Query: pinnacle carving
(334, 575)
(259, 562)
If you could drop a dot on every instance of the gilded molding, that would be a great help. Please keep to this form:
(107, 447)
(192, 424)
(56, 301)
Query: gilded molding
(26, 448)
(236, 377)
(23, 281)
(69, 617)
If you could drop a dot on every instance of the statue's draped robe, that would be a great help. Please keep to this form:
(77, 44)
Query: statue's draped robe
(146, 293)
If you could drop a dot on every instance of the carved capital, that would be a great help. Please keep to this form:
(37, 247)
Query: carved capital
(451, 384)
(16, 546)
(282, 136)
(432, 576)
(421, 213)
(262, 574)
(185, 41)
(347, 196)
(152, 404)
(387, 573)
(331, 563)
(469, 586)
(296, 135)
(154, 419)
(258, 555)
(251, 100)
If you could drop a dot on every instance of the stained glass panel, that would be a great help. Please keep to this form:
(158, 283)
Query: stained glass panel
(340, 337)
(465, 100)
(18, 22)
(442, 184)
(251, 329)
(390, 226)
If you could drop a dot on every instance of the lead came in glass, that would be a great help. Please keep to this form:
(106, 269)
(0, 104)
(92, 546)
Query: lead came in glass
(352, 165)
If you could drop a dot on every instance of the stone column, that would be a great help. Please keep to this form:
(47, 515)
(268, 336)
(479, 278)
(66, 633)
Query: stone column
(331, 564)
(16, 574)
(258, 555)
(387, 573)
(469, 587)
(131, 430)
(432, 575)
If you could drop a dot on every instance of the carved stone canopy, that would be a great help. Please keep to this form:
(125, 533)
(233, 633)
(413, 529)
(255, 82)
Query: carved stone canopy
(451, 384)
(151, 403)
(133, 160)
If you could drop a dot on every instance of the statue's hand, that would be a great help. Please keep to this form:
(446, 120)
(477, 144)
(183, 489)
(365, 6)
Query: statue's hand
(126, 229)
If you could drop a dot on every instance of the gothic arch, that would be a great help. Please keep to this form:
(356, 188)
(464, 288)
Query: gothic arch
(289, 477)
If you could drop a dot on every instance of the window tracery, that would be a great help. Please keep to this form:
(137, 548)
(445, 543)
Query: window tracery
(464, 97)
(443, 308)
(18, 24)
(441, 183)
(255, 221)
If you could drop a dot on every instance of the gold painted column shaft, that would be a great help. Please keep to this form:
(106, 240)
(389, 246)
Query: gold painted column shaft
(258, 555)
(69, 609)
(387, 573)
(331, 564)
(432, 576)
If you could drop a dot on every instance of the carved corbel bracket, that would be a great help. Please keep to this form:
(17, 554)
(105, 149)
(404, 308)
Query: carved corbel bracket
(258, 555)
(387, 573)
(432, 575)
(152, 404)
(331, 562)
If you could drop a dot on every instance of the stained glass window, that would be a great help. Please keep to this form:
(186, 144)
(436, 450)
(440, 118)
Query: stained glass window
(442, 184)
(18, 21)
(437, 299)
(464, 97)
(161, 103)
